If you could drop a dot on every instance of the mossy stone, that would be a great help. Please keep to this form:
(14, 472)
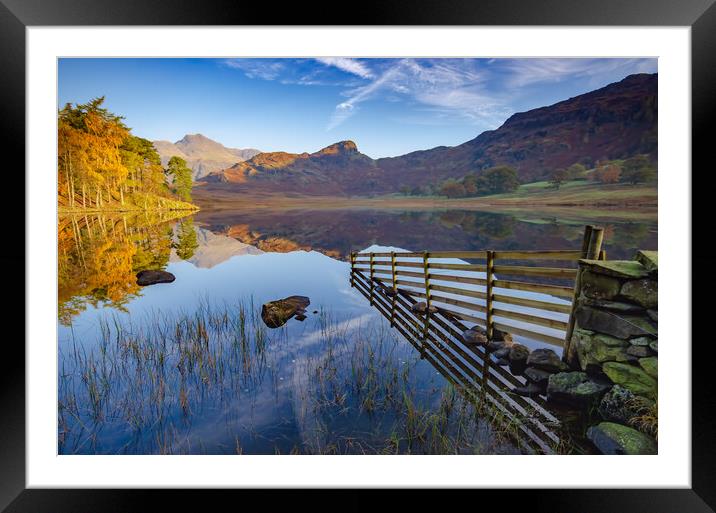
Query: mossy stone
(613, 438)
(632, 378)
(598, 286)
(650, 366)
(595, 349)
(643, 292)
(626, 269)
(649, 259)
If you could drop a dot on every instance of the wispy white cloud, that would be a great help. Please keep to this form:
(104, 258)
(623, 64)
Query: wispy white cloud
(352, 66)
(257, 68)
(454, 86)
(483, 92)
(525, 72)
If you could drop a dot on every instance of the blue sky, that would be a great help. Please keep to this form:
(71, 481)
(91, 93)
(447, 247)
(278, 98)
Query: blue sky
(387, 106)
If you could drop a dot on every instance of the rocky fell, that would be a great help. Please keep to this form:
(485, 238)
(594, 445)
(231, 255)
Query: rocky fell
(614, 122)
(203, 155)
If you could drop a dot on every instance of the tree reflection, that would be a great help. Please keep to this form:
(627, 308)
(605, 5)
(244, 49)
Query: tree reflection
(99, 256)
(186, 242)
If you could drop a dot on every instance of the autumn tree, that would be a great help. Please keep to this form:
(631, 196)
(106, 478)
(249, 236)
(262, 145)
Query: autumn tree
(452, 189)
(607, 173)
(99, 161)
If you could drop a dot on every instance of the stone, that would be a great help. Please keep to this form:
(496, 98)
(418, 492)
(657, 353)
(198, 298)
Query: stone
(616, 306)
(150, 277)
(654, 346)
(640, 341)
(650, 366)
(537, 376)
(501, 336)
(421, 307)
(529, 390)
(639, 351)
(546, 359)
(632, 378)
(617, 325)
(649, 259)
(653, 315)
(624, 269)
(593, 349)
(518, 353)
(502, 353)
(276, 313)
(612, 438)
(473, 336)
(496, 345)
(575, 388)
(643, 292)
(620, 405)
(390, 292)
(598, 286)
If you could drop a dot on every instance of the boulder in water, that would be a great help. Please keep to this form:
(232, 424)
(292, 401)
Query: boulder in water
(276, 313)
(150, 277)
(421, 307)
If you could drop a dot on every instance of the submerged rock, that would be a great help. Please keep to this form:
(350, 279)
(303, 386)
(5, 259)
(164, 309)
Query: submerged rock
(276, 313)
(518, 358)
(151, 277)
(421, 307)
(474, 336)
(529, 390)
(612, 438)
(575, 388)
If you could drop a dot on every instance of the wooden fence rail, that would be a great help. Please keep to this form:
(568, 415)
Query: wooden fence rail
(439, 340)
(500, 290)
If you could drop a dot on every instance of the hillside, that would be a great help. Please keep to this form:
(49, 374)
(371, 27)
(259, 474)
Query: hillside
(203, 155)
(614, 122)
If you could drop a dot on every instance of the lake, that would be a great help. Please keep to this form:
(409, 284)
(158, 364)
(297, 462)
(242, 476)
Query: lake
(190, 367)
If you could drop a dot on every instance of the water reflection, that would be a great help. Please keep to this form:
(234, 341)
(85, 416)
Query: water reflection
(336, 233)
(190, 366)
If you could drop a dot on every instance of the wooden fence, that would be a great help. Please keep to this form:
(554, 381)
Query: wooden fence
(527, 293)
(469, 368)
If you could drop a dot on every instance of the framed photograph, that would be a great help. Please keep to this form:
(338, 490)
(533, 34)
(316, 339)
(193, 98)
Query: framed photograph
(417, 251)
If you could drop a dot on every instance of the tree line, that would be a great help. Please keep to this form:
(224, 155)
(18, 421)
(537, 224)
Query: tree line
(495, 180)
(102, 165)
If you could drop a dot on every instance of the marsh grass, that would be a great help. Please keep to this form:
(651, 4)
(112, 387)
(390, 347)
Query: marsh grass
(216, 380)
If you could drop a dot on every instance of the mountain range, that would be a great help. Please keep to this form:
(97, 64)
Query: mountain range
(203, 155)
(614, 122)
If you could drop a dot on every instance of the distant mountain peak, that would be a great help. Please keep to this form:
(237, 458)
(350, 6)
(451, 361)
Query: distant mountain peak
(204, 155)
(341, 147)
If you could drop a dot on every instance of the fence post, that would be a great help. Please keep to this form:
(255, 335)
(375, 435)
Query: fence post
(426, 323)
(353, 267)
(591, 249)
(372, 274)
(489, 277)
(395, 289)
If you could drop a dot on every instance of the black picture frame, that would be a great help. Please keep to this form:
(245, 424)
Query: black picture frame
(700, 15)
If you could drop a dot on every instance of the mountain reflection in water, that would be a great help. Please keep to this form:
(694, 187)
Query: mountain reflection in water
(189, 366)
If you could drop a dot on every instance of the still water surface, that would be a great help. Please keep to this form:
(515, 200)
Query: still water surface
(190, 367)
